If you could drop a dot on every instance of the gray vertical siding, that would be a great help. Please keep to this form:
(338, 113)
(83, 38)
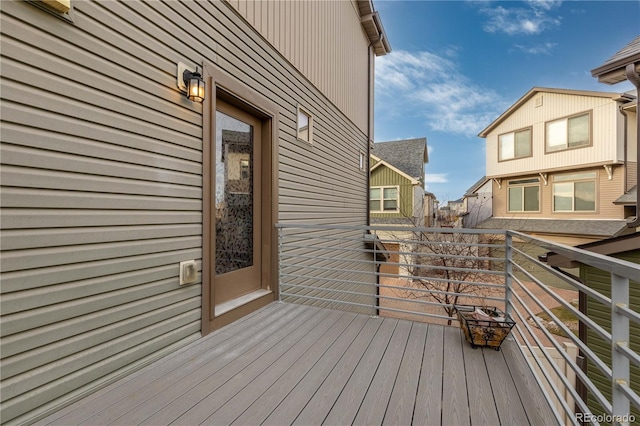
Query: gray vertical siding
(102, 184)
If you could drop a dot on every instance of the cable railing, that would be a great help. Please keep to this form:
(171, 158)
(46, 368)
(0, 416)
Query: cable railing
(422, 274)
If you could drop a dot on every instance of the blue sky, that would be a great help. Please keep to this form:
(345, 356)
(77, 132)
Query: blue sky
(455, 66)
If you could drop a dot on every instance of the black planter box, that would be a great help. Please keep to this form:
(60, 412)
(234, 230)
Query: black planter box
(482, 332)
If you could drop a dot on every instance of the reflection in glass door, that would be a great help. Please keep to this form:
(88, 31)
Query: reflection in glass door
(234, 195)
(237, 208)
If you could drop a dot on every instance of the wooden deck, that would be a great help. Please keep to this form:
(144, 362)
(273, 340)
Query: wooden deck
(293, 364)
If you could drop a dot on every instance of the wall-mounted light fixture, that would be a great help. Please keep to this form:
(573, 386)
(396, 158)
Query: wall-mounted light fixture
(191, 82)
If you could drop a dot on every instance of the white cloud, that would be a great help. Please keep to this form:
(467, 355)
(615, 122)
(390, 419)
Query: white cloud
(541, 49)
(534, 17)
(436, 178)
(544, 4)
(428, 85)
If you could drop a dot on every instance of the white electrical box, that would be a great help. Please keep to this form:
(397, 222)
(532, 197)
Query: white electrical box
(188, 272)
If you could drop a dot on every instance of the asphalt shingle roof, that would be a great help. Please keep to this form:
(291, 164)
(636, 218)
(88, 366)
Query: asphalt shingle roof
(600, 228)
(629, 197)
(473, 188)
(633, 48)
(408, 155)
(612, 70)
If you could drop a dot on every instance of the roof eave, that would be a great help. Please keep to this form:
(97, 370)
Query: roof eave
(614, 72)
(380, 162)
(372, 25)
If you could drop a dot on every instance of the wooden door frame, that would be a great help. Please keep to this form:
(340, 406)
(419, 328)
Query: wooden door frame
(221, 85)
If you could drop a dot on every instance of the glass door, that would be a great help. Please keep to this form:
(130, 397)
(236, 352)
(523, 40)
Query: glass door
(237, 204)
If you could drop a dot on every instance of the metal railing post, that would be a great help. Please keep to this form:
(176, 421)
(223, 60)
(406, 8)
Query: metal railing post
(619, 337)
(508, 254)
(376, 274)
(280, 243)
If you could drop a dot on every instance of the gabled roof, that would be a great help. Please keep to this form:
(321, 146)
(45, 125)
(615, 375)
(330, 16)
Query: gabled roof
(380, 162)
(473, 188)
(613, 70)
(531, 93)
(408, 155)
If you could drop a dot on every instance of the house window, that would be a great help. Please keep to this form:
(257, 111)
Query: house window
(305, 125)
(567, 133)
(514, 145)
(524, 195)
(384, 199)
(245, 170)
(363, 160)
(62, 9)
(575, 192)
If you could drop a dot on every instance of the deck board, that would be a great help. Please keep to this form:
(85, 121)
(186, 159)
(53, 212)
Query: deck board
(257, 411)
(428, 408)
(259, 374)
(205, 381)
(403, 396)
(455, 403)
(287, 411)
(481, 404)
(376, 400)
(327, 394)
(294, 364)
(301, 354)
(133, 387)
(346, 407)
(508, 403)
(538, 410)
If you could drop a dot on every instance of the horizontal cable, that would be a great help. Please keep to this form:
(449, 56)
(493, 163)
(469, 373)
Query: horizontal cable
(561, 375)
(576, 284)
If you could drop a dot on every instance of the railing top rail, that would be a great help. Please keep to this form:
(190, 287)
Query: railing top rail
(606, 263)
(391, 228)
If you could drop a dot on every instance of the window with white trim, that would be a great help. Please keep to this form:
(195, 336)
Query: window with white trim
(575, 192)
(384, 199)
(523, 195)
(514, 145)
(569, 132)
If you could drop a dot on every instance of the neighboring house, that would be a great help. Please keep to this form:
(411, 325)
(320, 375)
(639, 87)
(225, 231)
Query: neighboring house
(627, 248)
(451, 214)
(558, 160)
(396, 194)
(457, 210)
(629, 201)
(456, 206)
(430, 208)
(477, 203)
(135, 220)
(625, 65)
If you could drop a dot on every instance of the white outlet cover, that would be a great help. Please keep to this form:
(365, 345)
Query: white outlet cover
(188, 272)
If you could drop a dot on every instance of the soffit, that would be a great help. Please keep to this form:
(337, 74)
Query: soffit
(613, 69)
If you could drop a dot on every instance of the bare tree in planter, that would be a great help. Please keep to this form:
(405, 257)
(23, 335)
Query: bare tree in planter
(451, 268)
